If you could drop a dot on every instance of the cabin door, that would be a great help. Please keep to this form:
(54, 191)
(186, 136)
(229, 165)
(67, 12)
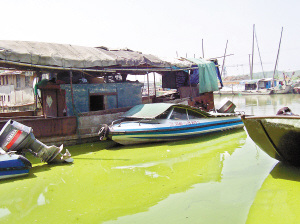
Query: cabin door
(50, 103)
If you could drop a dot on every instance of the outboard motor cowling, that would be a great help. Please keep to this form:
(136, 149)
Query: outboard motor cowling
(226, 106)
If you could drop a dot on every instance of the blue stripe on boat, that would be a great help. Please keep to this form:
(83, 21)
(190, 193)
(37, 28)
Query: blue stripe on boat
(179, 133)
(11, 163)
(13, 172)
(189, 127)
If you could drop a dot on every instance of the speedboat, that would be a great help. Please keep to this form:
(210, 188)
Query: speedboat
(13, 165)
(160, 122)
(278, 135)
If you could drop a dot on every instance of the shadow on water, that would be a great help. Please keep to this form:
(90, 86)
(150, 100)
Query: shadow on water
(34, 170)
(81, 149)
(127, 182)
(285, 171)
(77, 150)
(277, 201)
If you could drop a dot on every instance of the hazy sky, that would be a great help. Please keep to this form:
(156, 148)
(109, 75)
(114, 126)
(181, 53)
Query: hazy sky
(164, 27)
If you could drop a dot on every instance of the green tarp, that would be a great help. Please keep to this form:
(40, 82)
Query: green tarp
(149, 111)
(208, 80)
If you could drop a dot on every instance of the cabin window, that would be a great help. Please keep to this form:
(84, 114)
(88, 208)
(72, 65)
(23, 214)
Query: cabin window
(179, 114)
(27, 81)
(97, 102)
(18, 79)
(194, 115)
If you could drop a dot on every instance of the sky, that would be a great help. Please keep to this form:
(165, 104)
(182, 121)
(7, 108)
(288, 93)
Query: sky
(166, 28)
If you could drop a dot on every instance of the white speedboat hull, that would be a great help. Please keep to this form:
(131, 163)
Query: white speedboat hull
(136, 133)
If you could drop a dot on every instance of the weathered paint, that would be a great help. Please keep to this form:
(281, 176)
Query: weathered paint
(53, 100)
(124, 94)
(62, 126)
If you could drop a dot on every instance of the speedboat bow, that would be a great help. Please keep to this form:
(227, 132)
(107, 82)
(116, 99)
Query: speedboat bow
(13, 165)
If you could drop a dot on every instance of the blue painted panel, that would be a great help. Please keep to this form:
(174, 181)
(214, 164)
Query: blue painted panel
(111, 102)
(128, 94)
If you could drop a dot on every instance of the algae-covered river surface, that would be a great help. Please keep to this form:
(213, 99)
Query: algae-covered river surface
(219, 178)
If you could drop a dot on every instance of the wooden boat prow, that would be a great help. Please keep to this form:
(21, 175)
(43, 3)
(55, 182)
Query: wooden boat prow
(277, 135)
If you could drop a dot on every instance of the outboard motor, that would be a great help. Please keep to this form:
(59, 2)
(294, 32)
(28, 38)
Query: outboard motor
(226, 106)
(17, 137)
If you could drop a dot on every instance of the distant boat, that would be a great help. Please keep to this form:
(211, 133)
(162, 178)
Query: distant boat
(284, 89)
(250, 87)
(277, 135)
(257, 87)
(160, 122)
(13, 165)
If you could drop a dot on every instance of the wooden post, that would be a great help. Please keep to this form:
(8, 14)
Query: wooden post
(154, 86)
(148, 88)
(72, 95)
(191, 91)
(73, 105)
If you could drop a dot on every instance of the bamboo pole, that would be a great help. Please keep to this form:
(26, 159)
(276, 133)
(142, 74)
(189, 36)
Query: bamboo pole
(251, 74)
(202, 49)
(250, 65)
(221, 56)
(277, 58)
(108, 70)
(224, 59)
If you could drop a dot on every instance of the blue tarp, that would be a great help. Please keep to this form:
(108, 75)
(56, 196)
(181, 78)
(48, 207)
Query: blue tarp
(194, 77)
(208, 81)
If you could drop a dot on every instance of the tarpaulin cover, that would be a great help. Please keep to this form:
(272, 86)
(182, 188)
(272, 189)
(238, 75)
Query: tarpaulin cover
(208, 81)
(149, 111)
(72, 56)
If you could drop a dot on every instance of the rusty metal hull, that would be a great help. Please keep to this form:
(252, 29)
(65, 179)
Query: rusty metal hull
(48, 127)
(278, 136)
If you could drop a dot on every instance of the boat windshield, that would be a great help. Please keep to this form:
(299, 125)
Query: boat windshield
(165, 114)
(179, 114)
(194, 115)
(184, 114)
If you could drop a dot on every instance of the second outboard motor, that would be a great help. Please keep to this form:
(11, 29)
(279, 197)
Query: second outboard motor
(15, 136)
(226, 106)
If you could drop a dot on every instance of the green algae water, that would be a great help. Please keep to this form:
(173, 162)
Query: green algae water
(218, 178)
